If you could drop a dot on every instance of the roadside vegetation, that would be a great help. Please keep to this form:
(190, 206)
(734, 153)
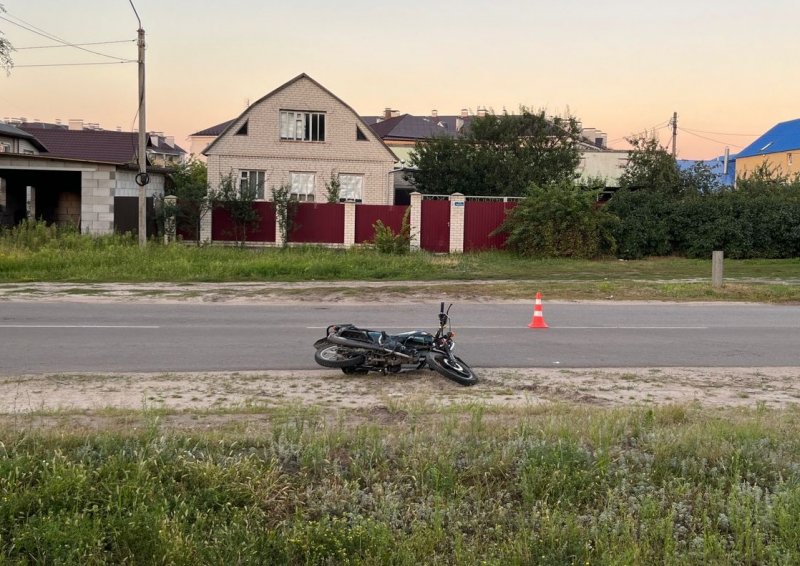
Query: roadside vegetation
(407, 484)
(33, 252)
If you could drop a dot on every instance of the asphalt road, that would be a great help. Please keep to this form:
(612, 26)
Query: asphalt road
(40, 337)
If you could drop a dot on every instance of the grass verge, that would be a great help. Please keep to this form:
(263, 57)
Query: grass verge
(410, 484)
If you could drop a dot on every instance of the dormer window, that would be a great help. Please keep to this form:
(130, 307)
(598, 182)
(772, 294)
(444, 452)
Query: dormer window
(302, 126)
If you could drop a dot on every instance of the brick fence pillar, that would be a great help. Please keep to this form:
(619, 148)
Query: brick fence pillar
(415, 220)
(205, 227)
(458, 204)
(349, 224)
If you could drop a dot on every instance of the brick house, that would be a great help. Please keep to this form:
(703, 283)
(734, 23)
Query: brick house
(301, 135)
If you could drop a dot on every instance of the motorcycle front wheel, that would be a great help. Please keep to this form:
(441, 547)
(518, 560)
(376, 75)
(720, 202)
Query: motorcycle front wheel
(338, 357)
(455, 369)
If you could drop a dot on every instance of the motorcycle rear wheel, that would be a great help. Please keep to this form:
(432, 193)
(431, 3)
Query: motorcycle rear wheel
(455, 369)
(337, 357)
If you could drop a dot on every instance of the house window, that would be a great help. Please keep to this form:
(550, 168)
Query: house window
(302, 126)
(5, 148)
(253, 181)
(303, 187)
(242, 131)
(360, 135)
(351, 187)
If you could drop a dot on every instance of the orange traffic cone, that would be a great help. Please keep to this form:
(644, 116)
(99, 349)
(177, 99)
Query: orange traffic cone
(538, 318)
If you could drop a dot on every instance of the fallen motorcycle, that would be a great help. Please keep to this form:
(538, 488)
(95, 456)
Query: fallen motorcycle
(358, 350)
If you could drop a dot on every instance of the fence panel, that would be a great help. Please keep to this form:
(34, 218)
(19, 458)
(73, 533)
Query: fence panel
(126, 215)
(318, 223)
(435, 226)
(222, 225)
(481, 218)
(368, 214)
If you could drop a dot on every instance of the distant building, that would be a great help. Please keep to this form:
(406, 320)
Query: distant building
(779, 149)
(78, 174)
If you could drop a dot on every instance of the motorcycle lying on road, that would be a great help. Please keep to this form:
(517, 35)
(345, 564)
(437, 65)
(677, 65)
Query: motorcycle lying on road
(358, 350)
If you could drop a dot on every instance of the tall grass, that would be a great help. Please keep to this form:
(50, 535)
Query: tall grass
(466, 485)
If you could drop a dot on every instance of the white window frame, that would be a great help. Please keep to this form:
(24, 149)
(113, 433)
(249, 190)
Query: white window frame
(303, 185)
(257, 176)
(302, 126)
(351, 187)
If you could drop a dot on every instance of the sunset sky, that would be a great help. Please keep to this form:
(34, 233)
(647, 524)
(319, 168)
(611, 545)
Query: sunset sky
(729, 69)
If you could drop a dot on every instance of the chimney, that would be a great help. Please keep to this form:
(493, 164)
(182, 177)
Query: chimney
(464, 113)
(170, 141)
(434, 113)
(387, 113)
(75, 124)
(119, 128)
(481, 111)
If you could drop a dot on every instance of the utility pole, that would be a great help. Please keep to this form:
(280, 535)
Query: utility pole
(142, 179)
(674, 134)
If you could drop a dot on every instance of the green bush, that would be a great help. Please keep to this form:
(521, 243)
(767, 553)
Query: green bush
(388, 242)
(559, 220)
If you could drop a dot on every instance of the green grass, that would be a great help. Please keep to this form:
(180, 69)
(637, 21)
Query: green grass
(464, 485)
(35, 253)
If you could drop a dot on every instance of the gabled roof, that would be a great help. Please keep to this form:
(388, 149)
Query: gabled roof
(12, 132)
(408, 127)
(104, 146)
(280, 88)
(214, 130)
(784, 136)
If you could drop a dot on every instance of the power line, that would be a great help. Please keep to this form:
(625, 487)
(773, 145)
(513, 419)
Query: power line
(709, 139)
(722, 133)
(76, 45)
(121, 62)
(33, 29)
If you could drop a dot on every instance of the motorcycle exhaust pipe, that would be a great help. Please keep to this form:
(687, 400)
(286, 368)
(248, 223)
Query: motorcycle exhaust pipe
(339, 341)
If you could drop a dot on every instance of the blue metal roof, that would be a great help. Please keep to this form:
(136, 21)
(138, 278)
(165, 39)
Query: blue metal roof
(716, 166)
(782, 137)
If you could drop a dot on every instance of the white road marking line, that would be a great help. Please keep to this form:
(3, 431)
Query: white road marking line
(72, 326)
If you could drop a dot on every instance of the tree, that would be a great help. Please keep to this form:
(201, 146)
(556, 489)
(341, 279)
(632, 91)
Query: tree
(6, 62)
(190, 185)
(237, 201)
(499, 155)
(560, 219)
(650, 167)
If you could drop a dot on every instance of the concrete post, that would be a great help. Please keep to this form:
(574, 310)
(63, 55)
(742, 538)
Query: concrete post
(170, 223)
(30, 194)
(458, 204)
(415, 221)
(716, 268)
(349, 224)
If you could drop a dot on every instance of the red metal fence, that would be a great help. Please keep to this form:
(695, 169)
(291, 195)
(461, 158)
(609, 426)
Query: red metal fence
(318, 223)
(324, 223)
(368, 214)
(481, 218)
(222, 227)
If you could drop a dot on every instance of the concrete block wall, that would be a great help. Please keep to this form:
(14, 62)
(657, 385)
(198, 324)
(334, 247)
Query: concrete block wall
(97, 200)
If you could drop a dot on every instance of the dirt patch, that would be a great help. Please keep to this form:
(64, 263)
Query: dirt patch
(386, 398)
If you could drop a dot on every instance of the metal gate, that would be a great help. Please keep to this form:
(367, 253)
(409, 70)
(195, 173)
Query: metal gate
(435, 226)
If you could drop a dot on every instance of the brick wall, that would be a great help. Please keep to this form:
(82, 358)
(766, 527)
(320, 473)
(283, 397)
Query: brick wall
(340, 153)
